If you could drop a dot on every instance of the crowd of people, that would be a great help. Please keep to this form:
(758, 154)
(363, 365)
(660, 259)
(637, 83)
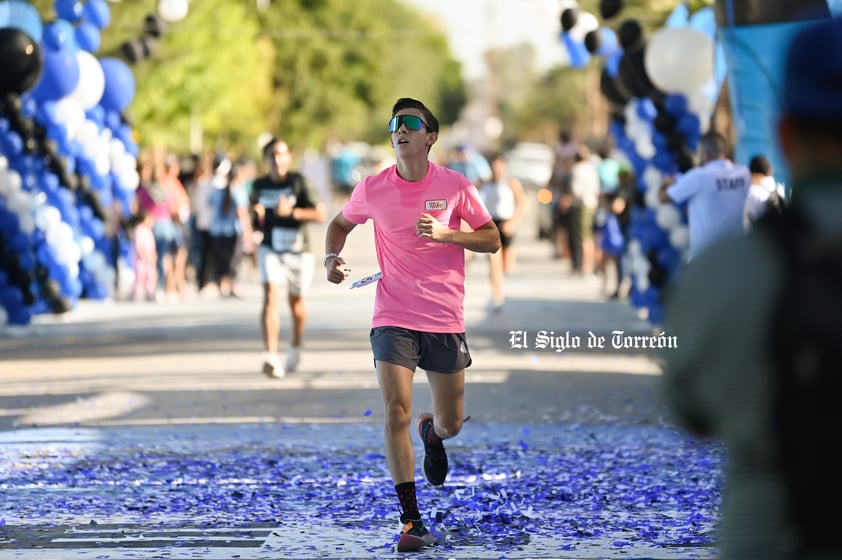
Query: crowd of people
(189, 226)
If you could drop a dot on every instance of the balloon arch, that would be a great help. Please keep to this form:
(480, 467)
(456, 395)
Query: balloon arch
(663, 90)
(68, 167)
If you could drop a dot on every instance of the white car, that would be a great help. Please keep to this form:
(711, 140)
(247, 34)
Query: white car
(531, 163)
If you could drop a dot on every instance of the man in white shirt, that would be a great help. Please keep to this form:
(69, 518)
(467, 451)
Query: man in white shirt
(715, 194)
(763, 184)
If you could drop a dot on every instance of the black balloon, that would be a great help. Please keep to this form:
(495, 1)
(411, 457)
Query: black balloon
(593, 40)
(664, 122)
(610, 8)
(632, 73)
(149, 44)
(153, 25)
(676, 141)
(569, 17)
(21, 61)
(612, 89)
(132, 51)
(630, 34)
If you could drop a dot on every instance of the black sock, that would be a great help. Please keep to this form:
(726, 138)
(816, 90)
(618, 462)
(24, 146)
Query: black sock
(408, 500)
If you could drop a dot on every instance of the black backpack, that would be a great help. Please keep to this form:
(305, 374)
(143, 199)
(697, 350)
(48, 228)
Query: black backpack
(806, 346)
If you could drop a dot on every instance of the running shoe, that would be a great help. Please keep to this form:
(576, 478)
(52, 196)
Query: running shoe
(272, 366)
(293, 357)
(434, 464)
(414, 535)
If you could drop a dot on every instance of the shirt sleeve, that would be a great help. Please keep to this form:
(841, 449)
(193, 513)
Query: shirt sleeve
(356, 210)
(685, 187)
(471, 208)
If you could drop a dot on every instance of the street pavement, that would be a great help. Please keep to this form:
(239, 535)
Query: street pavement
(145, 430)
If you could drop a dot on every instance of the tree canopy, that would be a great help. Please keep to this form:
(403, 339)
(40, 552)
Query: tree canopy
(311, 71)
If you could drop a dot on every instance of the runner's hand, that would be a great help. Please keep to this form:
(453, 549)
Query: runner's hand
(337, 270)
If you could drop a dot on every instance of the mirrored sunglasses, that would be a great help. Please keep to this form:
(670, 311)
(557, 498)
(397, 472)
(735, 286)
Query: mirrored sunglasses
(410, 121)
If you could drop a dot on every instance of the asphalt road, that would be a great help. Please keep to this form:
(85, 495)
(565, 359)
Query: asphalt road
(146, 430)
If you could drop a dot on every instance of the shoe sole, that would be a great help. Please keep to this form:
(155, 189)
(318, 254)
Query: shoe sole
(421, 419)
(411, 543)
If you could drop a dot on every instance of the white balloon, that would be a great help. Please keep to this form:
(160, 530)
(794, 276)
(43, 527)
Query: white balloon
(27, 224)
(652, 198)
(680, 237)
(20, 203)
(679, 59)
(652, 178)
(10, 182)
(585, 23)
(91, 84)
(173, 10)
(635, 248)
(86, 244)
(46, 217)
(644, 147)
(667, 217)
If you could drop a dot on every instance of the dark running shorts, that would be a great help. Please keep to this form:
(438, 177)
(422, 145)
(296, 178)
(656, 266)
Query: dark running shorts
(436, 352)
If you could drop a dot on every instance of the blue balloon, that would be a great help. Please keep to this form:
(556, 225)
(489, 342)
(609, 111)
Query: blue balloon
(576, 51)
(19, 242)
(612, 63)
(59, 35)
(676, 104)
(88, 37)
(688, 125)
(11, 298)
(609, 43)
(71, 10)
(59, 77)
(11, 144)
(23, 16)
(119, 85)
(646, 110)
(19, 316)
(679, 17)
(97, 12)
(704, 20)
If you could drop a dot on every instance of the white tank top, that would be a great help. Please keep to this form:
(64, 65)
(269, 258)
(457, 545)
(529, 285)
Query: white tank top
(499, 199)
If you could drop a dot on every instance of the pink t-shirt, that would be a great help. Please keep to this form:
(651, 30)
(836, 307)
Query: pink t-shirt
(423, 283)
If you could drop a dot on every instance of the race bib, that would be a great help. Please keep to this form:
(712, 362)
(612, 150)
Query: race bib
(287, 240)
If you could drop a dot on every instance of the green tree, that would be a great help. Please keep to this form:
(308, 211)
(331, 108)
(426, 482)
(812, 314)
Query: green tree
(340, 65)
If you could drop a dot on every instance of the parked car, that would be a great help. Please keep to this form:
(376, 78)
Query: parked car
(531, 163)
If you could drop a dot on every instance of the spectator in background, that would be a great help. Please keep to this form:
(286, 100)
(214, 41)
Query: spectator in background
(584, 190)
(145, 256)
(763, 192)
(230, 229)
(177, 280)
(152, 198)
(715, 194)
(469, 163)
(204, 182)
(504, 197)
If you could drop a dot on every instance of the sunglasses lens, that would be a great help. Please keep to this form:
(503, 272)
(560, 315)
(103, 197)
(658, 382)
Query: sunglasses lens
(411, 121)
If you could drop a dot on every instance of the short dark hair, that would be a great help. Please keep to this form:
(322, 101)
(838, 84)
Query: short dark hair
(409, 103)
(760, 165)
(268, 146)
(714, 144)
